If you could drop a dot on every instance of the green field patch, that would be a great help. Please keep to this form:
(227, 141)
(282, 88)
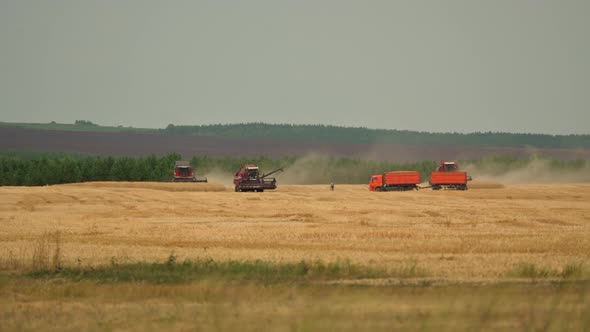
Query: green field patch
(204, 269)
(533, 271)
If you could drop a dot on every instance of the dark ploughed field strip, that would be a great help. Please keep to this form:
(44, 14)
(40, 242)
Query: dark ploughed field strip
(136, 144)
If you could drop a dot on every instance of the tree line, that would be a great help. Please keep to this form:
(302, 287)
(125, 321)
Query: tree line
(28, 169)
(337, 134)
(21, 171)
(48, 169)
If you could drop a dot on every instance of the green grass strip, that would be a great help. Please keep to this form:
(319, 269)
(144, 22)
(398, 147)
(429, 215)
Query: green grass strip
(257, 271)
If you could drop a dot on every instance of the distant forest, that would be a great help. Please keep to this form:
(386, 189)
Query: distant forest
(324, 133)
(38, 169)
(335, 134)
(47, 170)
(29, 169)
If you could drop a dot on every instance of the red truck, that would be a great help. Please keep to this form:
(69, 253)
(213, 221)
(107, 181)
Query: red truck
(248, 178)
(395, 181)
(448, 176)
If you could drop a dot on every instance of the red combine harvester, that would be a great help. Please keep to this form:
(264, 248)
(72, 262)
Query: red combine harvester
(448, 176)
(183, 172)
(248, 178)
(395, 181)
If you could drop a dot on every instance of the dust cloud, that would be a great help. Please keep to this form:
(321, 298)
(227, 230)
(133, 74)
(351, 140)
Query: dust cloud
(219, 176)
(315, 168)
(306, 170)
(319, 169)
(310, 169)
(534, 171)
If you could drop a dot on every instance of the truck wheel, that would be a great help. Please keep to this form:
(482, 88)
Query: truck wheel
(378, 189)
(236, 188)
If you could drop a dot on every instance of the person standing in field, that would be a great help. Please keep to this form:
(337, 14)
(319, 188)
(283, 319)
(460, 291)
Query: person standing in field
(332, 186)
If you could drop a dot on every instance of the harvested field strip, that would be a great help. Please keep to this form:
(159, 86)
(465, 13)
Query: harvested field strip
(166, 186)
(484, 185)
(485, 231)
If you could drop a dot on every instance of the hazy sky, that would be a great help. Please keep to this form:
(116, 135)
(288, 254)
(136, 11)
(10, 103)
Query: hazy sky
(500, 65)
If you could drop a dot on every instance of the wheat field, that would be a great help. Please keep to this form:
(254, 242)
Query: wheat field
(479, 234)
(493, 258)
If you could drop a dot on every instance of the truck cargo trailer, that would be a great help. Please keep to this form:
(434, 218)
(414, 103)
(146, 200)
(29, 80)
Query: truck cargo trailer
(449, 180)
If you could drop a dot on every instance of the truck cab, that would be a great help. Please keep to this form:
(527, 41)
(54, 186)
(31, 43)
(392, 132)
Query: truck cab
(376, 182)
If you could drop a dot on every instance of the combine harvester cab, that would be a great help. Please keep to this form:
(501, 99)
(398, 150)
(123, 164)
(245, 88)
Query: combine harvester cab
(448, 176)
(248, 178)
(395, 181)
(183, 172)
